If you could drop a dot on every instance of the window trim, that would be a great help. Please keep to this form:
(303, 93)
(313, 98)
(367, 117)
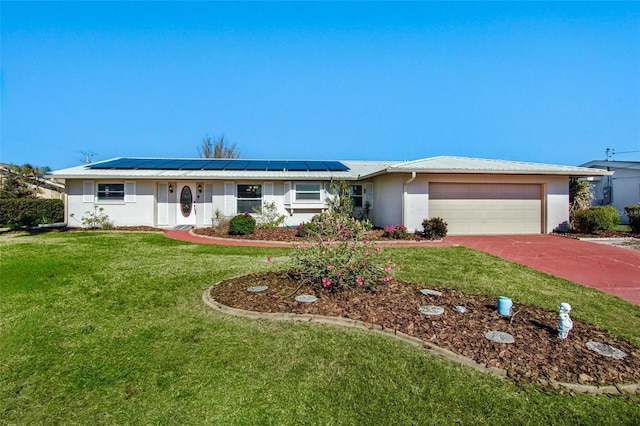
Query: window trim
(238, 199)
(320, 191)
(361, 196)
(118, 200)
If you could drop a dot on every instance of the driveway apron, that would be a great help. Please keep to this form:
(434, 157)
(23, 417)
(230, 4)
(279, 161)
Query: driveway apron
(611, 269)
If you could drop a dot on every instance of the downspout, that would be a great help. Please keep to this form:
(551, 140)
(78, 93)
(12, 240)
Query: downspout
(404, 198)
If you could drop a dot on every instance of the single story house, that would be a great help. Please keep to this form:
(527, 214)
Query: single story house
(620, 189)
(473, 195)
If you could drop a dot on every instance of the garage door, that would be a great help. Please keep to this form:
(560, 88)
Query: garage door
(476, 209)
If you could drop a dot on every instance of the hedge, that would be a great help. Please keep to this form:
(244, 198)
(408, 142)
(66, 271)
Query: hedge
(18, 212)
(596, 218)
(634, 217)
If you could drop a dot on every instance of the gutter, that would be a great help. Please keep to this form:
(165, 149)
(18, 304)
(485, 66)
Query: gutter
(404, 197)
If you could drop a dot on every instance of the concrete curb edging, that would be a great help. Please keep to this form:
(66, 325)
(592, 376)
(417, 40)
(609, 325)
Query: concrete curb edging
(414, 341)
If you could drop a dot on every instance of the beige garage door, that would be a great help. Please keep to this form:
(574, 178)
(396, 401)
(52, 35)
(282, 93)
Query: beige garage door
(479, 208)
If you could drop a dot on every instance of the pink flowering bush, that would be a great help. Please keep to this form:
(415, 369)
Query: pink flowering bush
(336, 256)
(397, 232)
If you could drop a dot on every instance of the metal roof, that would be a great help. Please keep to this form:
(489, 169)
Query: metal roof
(191, 168)
(450, 164)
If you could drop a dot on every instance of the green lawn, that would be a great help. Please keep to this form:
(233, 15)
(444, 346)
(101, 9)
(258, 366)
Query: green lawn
(109, 328)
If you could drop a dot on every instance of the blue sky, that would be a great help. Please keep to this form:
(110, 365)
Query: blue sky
(542, 82)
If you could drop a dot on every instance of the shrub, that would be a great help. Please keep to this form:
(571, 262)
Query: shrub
(397, 232)
(269, 217)
(97, 219)
(633, 212)
(595, 219)
(326, 224)
(19, 212)
(434, 228)
(242, 224)
(336, 257)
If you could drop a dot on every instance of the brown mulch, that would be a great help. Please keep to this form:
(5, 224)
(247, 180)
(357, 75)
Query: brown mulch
(289, 235)
(536, 356)
(598, 234)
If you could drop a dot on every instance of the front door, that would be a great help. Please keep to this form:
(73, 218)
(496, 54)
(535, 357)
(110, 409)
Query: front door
(186, 214)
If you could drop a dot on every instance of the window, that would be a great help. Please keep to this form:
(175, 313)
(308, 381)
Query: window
(249, 197)
(111, 192)
(355, 192)
(186, 201)
(308, 192)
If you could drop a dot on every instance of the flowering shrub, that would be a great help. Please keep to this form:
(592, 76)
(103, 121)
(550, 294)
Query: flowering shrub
(336, 257)
(397, 232)
(268, 216)
(341, 264)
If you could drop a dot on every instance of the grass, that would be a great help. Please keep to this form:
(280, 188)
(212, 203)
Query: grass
(109, 328)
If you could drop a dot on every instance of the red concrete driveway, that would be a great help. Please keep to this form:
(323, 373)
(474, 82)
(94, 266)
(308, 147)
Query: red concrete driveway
(610, 269)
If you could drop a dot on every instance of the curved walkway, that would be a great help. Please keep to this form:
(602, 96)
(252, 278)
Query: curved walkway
(613, 270)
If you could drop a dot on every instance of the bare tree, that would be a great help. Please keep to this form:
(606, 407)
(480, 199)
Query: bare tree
(217, 149)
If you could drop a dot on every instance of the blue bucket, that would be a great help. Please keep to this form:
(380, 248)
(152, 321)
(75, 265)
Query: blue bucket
(504, 306)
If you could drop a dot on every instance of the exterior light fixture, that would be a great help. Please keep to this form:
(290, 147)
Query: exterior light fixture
(199, 188)
(171, 188)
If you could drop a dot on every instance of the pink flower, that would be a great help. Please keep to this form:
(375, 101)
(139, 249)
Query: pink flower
(325, 282)
(377, 250)
(363, 263)
(269, 260)
(387, 269)
(339, 273)
(274, 296)
(388, 278)
(329, 266)
(367, 253)
(359, 281)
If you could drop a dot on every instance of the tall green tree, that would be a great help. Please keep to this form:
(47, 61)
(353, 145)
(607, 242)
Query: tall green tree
(22, 181)
(217, 149)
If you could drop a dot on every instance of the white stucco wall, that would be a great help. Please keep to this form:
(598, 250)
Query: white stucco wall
(626, 190)
(387, 200)
(139, 211)
(390, 194)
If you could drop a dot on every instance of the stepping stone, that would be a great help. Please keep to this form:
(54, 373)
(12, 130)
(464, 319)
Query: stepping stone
(431, 310)
(605, 350)
(460, 309)
(257, 288)
(306, 298)
(428, 292)
(499, 337)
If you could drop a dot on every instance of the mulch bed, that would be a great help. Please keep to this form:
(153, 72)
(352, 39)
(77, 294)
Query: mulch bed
(536, 356)
(289, 235)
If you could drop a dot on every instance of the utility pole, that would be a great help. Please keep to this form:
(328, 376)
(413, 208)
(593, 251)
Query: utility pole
(610, 153)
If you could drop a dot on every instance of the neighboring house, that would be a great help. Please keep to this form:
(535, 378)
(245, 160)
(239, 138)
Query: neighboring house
(474, 196)
(46, 188)
(619, 190)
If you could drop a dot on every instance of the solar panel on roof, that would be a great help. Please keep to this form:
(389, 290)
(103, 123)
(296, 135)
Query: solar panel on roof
(336, 166)
(276, 166)
(214, 164)
(219, 164)
(258, 165)
(192, 165)
(316, 166)
(237, 165)
(297, 166)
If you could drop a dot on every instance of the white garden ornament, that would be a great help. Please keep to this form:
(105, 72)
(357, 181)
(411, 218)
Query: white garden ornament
(564, 324)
